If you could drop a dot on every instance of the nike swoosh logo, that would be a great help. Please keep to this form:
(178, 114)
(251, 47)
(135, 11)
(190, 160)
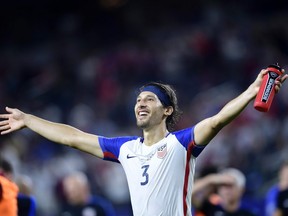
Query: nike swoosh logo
(128, 157)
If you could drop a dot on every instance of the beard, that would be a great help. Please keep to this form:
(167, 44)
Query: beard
(143, 124)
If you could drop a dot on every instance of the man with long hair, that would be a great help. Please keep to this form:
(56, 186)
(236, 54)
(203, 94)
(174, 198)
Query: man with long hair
(160, 165)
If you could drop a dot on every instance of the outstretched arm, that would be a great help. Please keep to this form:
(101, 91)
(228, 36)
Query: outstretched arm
(206, 130)
(58, 133)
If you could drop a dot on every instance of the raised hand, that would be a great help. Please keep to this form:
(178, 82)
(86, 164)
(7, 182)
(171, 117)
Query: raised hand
(280, 80)
(12, 121)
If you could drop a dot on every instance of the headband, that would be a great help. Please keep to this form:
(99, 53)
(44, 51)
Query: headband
(163, 97)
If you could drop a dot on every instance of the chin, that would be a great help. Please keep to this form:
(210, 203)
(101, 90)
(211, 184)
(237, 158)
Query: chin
(142, 125)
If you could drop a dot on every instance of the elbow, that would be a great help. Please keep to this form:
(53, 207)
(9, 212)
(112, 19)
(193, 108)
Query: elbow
(217, 124)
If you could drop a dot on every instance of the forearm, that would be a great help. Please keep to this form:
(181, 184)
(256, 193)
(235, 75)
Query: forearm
(207, 129)
(64, 134)
(232, 109)
(56, 132)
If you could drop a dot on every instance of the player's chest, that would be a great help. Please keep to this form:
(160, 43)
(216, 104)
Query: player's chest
(148, 154)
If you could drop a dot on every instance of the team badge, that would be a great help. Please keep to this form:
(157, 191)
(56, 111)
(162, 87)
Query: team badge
(162, 151)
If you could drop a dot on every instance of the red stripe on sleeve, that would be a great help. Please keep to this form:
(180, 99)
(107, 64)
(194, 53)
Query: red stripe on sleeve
(110, 156)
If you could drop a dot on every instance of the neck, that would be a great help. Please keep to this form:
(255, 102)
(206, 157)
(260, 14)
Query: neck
(154, 135)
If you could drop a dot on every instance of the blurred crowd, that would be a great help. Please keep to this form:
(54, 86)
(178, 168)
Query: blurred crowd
(82, 65)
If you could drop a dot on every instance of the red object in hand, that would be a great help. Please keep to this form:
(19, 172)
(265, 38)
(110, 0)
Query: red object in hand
(266, 92)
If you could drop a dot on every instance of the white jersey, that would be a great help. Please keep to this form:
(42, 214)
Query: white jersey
(160, 177)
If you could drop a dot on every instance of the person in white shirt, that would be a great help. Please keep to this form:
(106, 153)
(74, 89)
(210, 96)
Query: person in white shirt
(160, 165)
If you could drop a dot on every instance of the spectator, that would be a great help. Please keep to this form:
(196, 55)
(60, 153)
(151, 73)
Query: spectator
(230, 184)
(79, 200)
(210, 191)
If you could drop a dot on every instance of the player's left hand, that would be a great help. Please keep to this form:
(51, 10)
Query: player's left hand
(280, 80)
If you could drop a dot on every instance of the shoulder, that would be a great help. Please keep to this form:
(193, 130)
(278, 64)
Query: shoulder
(111, 146)
(184, 134)
(8, 185)
(115, 142)
(119, 140)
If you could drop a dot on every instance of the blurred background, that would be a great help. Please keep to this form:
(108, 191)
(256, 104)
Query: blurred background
(81, 63)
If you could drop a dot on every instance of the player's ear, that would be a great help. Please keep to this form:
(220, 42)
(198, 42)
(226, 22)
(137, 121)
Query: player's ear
(168, 110)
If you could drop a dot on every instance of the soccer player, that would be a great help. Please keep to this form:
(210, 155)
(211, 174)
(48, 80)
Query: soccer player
(160, 165)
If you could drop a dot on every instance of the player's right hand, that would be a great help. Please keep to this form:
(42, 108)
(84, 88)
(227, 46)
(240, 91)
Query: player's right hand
(11, 121)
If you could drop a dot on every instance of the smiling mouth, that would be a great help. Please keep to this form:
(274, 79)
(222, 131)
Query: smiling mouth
(142, 113)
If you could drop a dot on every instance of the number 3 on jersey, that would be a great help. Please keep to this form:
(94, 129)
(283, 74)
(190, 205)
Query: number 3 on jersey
(145, 175)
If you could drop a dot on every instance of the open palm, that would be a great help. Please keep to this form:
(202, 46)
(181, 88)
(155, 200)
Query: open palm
(13, 120)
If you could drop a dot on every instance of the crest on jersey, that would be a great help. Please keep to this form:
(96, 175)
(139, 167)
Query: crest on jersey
(162, 151)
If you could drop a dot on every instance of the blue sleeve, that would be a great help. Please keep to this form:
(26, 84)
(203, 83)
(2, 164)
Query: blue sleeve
(111, 146)
(186, 138)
